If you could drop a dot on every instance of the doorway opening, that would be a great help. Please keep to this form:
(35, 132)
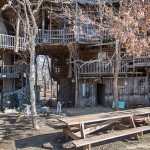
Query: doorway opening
(100, 94)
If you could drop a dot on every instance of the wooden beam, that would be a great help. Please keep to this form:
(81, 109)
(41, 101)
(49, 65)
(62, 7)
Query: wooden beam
(131, 122)
(97, 127)
(119, 126)
(112, 135)
(71, 134)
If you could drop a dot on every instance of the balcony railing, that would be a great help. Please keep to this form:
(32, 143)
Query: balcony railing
(8, 42)
(8, 71)
(54, 37)
(101, 68)
(63, 36)
(95, 36)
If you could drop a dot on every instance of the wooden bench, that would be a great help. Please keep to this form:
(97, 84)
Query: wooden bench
(86, 143)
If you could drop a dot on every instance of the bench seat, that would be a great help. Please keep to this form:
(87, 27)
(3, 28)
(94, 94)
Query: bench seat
(91, 140)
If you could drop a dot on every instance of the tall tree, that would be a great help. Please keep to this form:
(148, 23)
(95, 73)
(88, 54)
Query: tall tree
(27, 12)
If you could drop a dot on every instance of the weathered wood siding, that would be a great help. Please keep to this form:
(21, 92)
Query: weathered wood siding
(8, 85)
(134, 93)
(90, 95)
(66, 90)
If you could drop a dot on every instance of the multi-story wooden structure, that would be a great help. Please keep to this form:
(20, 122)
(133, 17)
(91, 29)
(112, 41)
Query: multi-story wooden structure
(95, 79)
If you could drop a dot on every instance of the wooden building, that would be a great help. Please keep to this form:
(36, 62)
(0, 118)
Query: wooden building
(95, 79)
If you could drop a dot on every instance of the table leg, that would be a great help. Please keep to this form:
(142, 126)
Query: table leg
(132, 124)
(87, 147)
(82, 131)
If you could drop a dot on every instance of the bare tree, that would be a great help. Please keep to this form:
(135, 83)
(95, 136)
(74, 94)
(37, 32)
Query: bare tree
(27, 13)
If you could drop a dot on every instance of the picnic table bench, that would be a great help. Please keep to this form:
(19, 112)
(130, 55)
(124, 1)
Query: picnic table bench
(78, 127)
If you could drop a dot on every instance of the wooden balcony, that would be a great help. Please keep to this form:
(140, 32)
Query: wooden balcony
(141, 61)
(101, 68)
(8, 71)
(55, 37)
(8, 42)
(64, 36)
(95, 36)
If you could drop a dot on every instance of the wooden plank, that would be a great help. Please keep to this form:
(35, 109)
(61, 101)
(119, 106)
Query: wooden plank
(109, 136)
(71, 134)
(132, 124)
(142, 118)
(93, 118)
(97, 127)
(104, 116)
(76, 126)
(119, 126)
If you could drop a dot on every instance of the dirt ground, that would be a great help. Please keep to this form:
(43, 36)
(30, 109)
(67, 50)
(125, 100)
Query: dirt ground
(21, 136)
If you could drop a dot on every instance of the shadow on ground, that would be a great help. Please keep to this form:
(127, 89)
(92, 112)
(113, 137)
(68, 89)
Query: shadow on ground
(57, 140)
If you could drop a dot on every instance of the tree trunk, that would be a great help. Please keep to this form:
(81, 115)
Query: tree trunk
(17, 35)
(76, 84)
(32, 84)
(45, 90)
(116, 74)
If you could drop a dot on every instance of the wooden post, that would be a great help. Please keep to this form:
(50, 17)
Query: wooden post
(82, 131)
(50, 30)
(77, 23)
(70, 68)
(43, 23)
(36, 75)
(132, 124)
(87, 147)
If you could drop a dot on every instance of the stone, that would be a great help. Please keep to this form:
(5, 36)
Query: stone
(48, 146)
(2, 122)
(8, 111)
(43, 110)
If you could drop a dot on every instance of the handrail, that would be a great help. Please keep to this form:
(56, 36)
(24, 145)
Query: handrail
(103, 67)
(7, 69)
(8, 42)
(61, 36)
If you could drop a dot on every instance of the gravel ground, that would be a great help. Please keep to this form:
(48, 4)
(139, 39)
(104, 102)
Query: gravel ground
(21, 136)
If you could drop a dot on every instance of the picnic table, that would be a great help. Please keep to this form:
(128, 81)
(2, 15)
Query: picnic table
(78, 127)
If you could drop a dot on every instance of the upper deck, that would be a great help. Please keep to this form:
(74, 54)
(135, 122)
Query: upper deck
(54, 37)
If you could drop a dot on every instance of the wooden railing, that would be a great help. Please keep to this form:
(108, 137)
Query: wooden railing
(101, 68)
(95, 36)
(52, 37)
(7, 69)
(143, 60)
(140, 61)
(62, 36)
(8, 42)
